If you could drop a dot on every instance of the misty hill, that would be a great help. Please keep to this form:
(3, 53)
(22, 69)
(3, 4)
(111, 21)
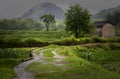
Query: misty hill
(102, 14)
(44, 8)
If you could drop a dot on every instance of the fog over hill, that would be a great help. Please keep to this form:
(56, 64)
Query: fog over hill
(44, 8)
(15, 8)
(103, 13)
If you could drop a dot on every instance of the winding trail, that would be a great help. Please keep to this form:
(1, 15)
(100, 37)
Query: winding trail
(20, 69)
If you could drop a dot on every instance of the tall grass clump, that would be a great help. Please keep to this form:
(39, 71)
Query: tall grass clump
(13, 53)
(9, 58)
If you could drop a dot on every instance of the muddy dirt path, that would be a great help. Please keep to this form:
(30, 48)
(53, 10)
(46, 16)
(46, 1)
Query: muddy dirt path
(20, 69)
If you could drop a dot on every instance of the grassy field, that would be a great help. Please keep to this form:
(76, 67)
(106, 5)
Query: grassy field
(43, 36)
(9, 58)
(81, 63)
(30, 38)
(34, 38)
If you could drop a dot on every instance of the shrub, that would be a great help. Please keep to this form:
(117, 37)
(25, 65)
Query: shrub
(99, 39)
(86, 40)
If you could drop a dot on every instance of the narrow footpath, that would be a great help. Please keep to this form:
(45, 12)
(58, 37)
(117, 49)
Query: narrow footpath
(20, 69)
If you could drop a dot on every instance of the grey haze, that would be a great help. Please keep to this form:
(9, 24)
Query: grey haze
(15, 8)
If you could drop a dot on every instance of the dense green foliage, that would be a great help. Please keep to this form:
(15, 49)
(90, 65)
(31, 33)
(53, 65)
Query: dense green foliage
(48, 19)
(77, 20)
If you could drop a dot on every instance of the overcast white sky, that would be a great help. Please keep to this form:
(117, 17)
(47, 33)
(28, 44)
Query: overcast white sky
(14, 8)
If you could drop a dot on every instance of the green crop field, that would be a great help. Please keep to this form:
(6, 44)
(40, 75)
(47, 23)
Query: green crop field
(33, 34)
(9, 58)
(35, 38)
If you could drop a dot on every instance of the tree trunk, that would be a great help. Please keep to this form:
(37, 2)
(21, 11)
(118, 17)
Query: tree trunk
(47, 27)
(76, 34)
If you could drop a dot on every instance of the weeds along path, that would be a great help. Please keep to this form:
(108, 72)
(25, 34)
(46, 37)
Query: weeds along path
(20, 71)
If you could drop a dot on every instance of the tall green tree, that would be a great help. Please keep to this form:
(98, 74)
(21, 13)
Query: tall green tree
(48, 19)
(77, 20)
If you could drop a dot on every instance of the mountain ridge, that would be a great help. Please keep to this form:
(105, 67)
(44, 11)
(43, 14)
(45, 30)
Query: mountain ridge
(103, 13)
(44, 8)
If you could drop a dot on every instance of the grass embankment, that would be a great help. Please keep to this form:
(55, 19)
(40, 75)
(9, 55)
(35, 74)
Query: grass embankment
(82, 62)
(105, 55)
(9, 58)
(32, 38)
(29, 38)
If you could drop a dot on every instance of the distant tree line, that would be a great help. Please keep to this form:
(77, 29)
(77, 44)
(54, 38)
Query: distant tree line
(19, 24)
(30, 24)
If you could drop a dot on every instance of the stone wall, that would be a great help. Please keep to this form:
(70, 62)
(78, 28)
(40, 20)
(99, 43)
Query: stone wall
(108, 31)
